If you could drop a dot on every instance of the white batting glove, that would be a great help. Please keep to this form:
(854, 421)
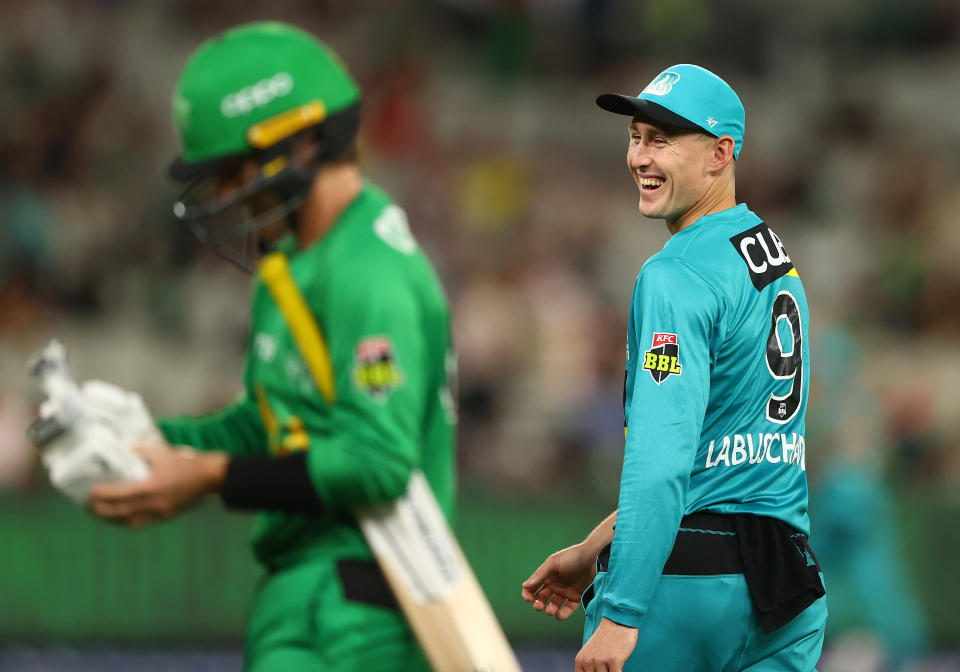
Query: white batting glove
(86, 455)
(92, 441)
(121, 410)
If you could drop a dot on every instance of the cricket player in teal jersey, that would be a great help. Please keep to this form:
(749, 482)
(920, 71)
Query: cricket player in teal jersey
(705, 565)
(346, 382)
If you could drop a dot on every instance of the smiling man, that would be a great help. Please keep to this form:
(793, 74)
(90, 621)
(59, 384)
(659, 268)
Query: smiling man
(705, 565)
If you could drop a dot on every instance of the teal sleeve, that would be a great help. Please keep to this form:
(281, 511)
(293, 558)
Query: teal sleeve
(671, 304)
(236, 429)
(377, 344)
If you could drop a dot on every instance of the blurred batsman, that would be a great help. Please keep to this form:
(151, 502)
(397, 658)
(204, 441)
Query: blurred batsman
(705, 566)
(347, 379)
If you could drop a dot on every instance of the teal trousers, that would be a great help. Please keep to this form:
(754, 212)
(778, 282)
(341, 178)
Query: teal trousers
(707, 624)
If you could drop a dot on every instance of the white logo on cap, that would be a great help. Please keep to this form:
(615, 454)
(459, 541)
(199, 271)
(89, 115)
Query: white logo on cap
(662, 84)
(711, 122)
(256, 95)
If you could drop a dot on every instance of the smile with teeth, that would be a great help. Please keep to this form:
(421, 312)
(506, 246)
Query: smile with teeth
(650, 183)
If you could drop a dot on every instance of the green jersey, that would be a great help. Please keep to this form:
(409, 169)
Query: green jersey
(382, 312)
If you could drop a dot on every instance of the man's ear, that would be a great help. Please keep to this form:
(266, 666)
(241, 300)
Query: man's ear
(722, 153)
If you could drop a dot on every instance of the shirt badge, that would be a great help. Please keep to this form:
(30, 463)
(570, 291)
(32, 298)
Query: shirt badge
(376, 372)
(662, 359)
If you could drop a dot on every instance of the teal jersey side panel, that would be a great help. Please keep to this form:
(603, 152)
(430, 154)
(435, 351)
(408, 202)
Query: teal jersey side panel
(716, 389)
(752, 454)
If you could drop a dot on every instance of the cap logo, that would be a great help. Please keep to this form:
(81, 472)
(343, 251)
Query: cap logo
(256, 95)
(711, 122)
(662, 84)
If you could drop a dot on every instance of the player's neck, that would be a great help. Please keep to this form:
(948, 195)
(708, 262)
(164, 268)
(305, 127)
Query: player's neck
(335, 187)
(719, 197)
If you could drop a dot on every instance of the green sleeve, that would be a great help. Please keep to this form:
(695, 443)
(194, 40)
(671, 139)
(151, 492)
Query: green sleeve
(236, 429)
(377, 342)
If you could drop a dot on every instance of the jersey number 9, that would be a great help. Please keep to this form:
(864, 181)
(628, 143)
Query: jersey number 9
(785, 364)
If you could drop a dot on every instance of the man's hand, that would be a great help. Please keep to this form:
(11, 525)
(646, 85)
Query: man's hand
(556, 585)
(178, 478)
(608, 649)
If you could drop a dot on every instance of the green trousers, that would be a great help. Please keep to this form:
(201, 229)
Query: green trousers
(300, 621)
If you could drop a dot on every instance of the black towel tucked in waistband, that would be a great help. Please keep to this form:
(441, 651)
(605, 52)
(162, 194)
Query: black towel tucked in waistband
(780, 570)
(782, 574)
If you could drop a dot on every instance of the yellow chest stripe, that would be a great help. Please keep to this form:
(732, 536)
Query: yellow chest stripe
(275, 273)
(269, 418)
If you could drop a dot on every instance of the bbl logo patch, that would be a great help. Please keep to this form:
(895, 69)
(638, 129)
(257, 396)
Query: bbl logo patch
(661, 360)
(662, 84)
(375, 369)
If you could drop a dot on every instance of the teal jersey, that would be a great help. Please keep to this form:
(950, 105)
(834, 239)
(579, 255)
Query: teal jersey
(718, 373)
(383, 315)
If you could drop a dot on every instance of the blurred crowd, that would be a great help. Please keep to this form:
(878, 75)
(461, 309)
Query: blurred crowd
(479, 119)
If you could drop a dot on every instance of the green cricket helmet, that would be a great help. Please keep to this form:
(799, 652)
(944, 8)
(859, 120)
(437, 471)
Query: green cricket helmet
(255, 91)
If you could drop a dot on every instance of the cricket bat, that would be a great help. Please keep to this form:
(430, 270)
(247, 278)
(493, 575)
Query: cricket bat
(434, 584)
(410, 537)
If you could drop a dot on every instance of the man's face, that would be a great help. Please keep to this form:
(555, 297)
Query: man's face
(231, 179)
(669, 167)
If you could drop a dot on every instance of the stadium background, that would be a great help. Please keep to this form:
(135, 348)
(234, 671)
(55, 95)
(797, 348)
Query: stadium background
(479, 118)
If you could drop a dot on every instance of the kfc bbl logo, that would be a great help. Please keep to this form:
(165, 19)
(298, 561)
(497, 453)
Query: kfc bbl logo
(661, 360)
(376, 372)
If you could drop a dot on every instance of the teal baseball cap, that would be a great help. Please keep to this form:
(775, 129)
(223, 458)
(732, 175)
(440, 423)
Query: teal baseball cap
(685, 96)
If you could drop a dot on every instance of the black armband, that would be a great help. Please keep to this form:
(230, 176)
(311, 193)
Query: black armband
(276, 483)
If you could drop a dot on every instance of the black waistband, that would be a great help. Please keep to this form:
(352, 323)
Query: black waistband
(363, 581)
(781, 571)
(706, 545)
(360, 580)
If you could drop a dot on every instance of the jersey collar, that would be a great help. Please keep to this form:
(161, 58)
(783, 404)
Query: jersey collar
(738, 213)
